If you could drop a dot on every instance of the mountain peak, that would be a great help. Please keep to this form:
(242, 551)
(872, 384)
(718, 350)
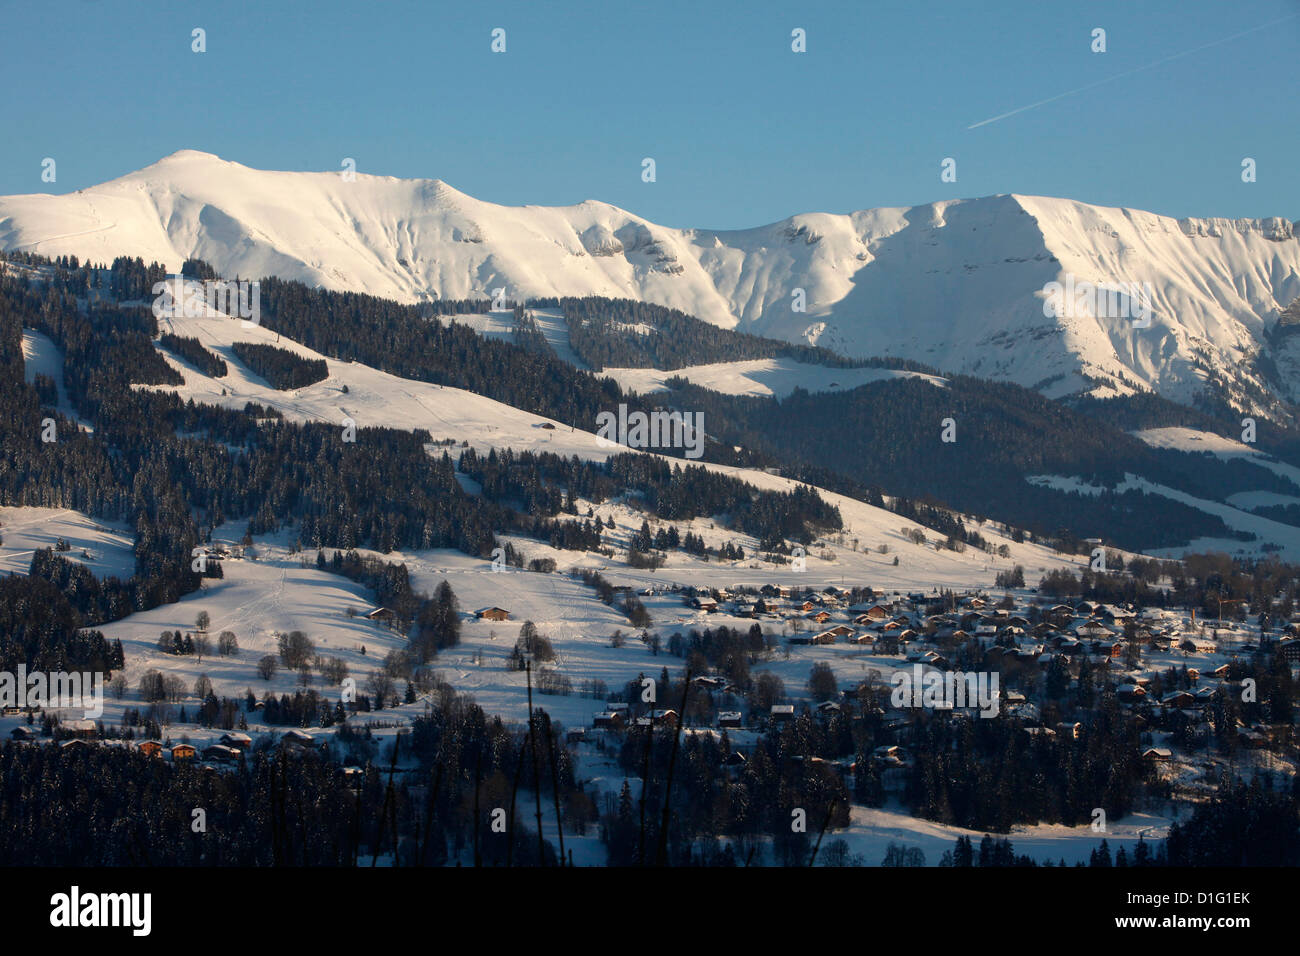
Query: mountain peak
(188, 156)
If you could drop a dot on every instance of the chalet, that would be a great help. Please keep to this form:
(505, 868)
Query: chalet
(22, 733)
(607, 720)
(86, 729)
(782, 712)
(729, 719)
(890, 755)
(237, 741)
(933, 658)
(76, 743)
(744, 610)
(1059, 614)
(665, 718)
(151, 748)
(576, 735)
(1108, 648)
(877, 612)
(1161, 754)
(821, 617)
(1177, 699)
(705, 604)
(824, 637)
(808, 606)
(841, 630)
(710, 683)
(1130, 693)
(221, 753)
(383, 615)
(297, 740)
(1071, 731)
(183, 752)
(492, 614)
(617, 707)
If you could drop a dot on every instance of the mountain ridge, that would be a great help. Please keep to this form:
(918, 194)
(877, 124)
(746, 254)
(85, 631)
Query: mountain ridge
(957, 283)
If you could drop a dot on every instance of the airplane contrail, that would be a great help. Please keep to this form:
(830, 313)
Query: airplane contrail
(1120, 76)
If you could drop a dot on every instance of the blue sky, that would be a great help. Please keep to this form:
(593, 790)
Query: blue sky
(743, 130)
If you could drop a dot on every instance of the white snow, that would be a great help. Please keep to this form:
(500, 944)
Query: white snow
(104, 547)
(765, 377)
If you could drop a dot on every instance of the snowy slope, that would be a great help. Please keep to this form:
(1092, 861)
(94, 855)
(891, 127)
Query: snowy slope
(375, 398)
(955, 284)
(775, 376)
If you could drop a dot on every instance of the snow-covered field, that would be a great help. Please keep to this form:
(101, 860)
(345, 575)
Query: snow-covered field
(1194, 440)
(1270, 536)
(42, 357)
(102, 546)
(500, 325)
(766, 377)
(872, 830)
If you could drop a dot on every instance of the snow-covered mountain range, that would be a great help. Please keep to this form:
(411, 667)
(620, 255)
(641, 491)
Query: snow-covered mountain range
(959, 285)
